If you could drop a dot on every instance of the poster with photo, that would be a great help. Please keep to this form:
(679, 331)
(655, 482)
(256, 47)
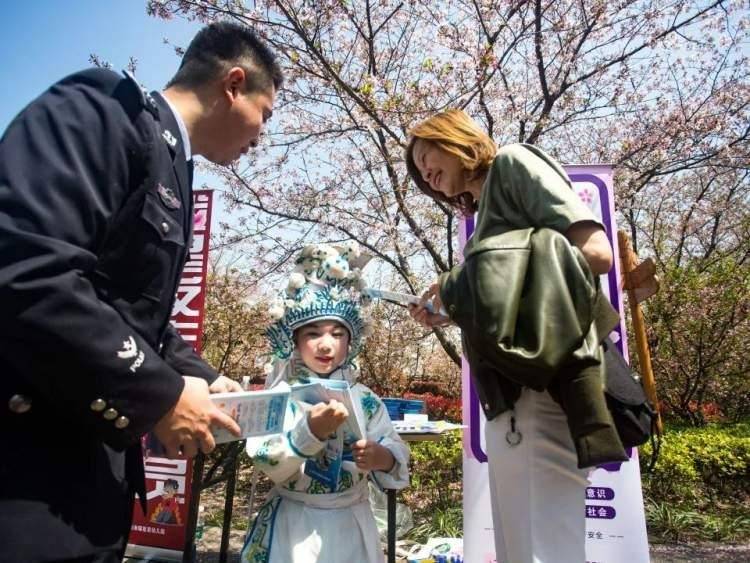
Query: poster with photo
(159, 535)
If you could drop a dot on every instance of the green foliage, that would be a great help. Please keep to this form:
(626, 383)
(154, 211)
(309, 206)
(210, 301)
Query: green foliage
(674, 523)
(436, 484)
(435, 463)
(214, 518)
(699, 326)
(444, 522)
(670, 522)
(726, 528)
(700, 486)
(701, 464)
(233, 329)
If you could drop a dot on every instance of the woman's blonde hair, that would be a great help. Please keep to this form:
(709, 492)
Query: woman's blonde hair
(456, 133)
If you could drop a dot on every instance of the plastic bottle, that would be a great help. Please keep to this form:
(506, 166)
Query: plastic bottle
(200, 523)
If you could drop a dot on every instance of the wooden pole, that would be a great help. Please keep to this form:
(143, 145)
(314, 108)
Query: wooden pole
(629, 262)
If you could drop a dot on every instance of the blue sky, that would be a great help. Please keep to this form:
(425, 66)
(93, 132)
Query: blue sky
(45, 40)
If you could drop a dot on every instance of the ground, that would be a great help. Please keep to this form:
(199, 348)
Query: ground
(213, 501)
(208, 550)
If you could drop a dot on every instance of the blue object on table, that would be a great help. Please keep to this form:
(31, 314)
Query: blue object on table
(412, 406)
(398, 407)
(393, 406)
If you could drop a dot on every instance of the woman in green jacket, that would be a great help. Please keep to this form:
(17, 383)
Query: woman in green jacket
(537, 490)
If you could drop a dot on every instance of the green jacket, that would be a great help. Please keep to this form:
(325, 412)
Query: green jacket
(532, 315)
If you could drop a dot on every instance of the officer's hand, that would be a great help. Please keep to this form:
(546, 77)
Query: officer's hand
(223, 384)
(325, 418)
(187, 426)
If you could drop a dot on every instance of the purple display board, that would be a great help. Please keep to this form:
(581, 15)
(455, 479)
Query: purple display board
(615, 519)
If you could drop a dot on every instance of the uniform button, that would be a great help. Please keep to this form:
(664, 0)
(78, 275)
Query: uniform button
(19, 404)
(98, 405)
(110, 414)
(165, 227)
(452, 309)
(486, 406)
(122, 422)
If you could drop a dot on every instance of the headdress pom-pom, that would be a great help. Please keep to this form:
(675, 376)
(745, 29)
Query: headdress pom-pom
(276, 311)
(336, 268)
(296, 280)
(351, 249)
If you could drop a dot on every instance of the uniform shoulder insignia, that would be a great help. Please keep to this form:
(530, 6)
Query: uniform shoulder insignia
(147, 100)
(169, 138)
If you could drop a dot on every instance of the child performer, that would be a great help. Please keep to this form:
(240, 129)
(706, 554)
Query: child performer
(317, 332)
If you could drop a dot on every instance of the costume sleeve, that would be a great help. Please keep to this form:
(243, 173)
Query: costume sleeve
(282, 456)
(65, 165)
(380, 429)
(529, 184)
(181, 356)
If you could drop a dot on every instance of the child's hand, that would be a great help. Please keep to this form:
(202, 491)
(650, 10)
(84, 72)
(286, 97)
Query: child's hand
(325, 418)
(371, 456)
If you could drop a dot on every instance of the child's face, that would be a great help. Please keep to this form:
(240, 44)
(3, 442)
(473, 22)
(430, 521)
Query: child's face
(323, 346)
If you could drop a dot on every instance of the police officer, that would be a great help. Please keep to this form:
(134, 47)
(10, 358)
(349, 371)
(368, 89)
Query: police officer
(95, 222)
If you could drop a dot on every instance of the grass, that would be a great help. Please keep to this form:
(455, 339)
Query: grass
(670, 523)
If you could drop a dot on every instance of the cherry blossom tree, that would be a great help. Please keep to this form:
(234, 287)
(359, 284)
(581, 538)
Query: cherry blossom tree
(658, 88)
(234, 320)
(397, 359)
(699, 322)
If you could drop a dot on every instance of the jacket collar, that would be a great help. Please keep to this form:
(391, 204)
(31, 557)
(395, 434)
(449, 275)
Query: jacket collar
(172, 138)
(184, 137)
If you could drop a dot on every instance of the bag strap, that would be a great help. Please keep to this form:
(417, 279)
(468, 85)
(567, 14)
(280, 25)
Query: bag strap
(655, 440)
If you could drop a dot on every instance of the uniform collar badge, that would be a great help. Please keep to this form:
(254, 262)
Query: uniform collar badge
(169, 138)
(150, 99)
(167, 197)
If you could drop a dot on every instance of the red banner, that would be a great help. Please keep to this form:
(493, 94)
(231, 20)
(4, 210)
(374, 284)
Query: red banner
(160, 533)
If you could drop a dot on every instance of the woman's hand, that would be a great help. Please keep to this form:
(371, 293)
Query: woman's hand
(423, 316)
(371, 456)
(325, 418)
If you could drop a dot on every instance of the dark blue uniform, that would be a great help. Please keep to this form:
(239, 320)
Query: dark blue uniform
(95, 221)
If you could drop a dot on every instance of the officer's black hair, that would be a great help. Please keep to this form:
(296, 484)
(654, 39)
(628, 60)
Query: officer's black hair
(221, 45)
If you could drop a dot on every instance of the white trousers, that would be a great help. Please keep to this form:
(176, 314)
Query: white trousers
(538, 494)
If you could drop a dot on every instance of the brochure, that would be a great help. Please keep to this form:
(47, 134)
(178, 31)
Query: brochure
(402, 299)
(326, 467)
(258, 413)
(320, 390)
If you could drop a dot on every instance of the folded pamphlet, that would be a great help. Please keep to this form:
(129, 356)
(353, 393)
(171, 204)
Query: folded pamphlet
(326, 466)
(320, 390)
(403, 299)
(258, 413)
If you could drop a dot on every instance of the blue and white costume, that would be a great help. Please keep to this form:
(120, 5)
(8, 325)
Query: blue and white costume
(302, 520)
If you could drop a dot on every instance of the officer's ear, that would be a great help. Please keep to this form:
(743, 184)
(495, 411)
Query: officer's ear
(233, 83)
